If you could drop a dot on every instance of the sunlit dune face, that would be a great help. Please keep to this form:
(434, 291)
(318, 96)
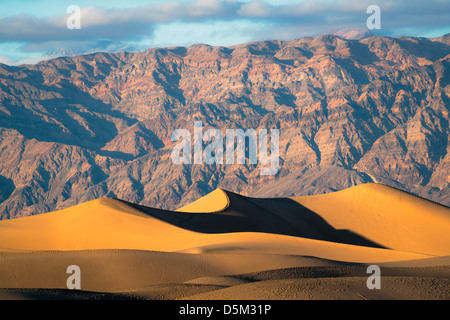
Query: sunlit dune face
(216, 201)
(362, 224)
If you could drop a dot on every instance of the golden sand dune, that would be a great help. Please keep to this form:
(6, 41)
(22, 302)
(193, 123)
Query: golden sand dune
(216, 201)
(201, 248)
(245, 225)
(387, 216)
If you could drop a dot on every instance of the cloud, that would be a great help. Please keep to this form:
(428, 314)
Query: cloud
(97, 22)
(132, 23)
(255, 10)
(279, 21)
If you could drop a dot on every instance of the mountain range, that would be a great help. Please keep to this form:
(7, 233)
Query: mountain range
(349, 112)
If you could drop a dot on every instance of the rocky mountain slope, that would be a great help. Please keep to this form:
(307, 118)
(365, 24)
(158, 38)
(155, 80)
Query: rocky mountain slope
(349, 112)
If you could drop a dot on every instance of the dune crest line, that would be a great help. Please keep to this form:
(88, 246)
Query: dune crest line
(358, 224)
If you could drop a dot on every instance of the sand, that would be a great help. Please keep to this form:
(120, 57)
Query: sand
(227, 246)
(216, 201)
(387, 216)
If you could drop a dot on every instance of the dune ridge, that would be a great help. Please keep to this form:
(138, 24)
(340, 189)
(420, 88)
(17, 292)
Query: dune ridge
(387, 216)
(222, 235)
(371, 218)
(213, 202)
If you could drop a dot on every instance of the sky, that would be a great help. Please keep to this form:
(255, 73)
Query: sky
(35, 30)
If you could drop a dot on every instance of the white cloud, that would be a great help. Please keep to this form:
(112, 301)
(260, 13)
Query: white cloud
(290, 19)
(255, 9)
(129, 23)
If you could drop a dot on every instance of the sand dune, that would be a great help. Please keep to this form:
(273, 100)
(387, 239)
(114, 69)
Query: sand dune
(201, 249)
(129, 274)
(387, 216)
(216, 201)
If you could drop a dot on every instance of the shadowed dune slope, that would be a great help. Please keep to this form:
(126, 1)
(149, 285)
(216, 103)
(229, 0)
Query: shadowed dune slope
(387, 216)
(369, 223)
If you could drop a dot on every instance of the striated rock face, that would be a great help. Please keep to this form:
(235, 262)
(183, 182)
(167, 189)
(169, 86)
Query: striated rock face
(349, 112)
